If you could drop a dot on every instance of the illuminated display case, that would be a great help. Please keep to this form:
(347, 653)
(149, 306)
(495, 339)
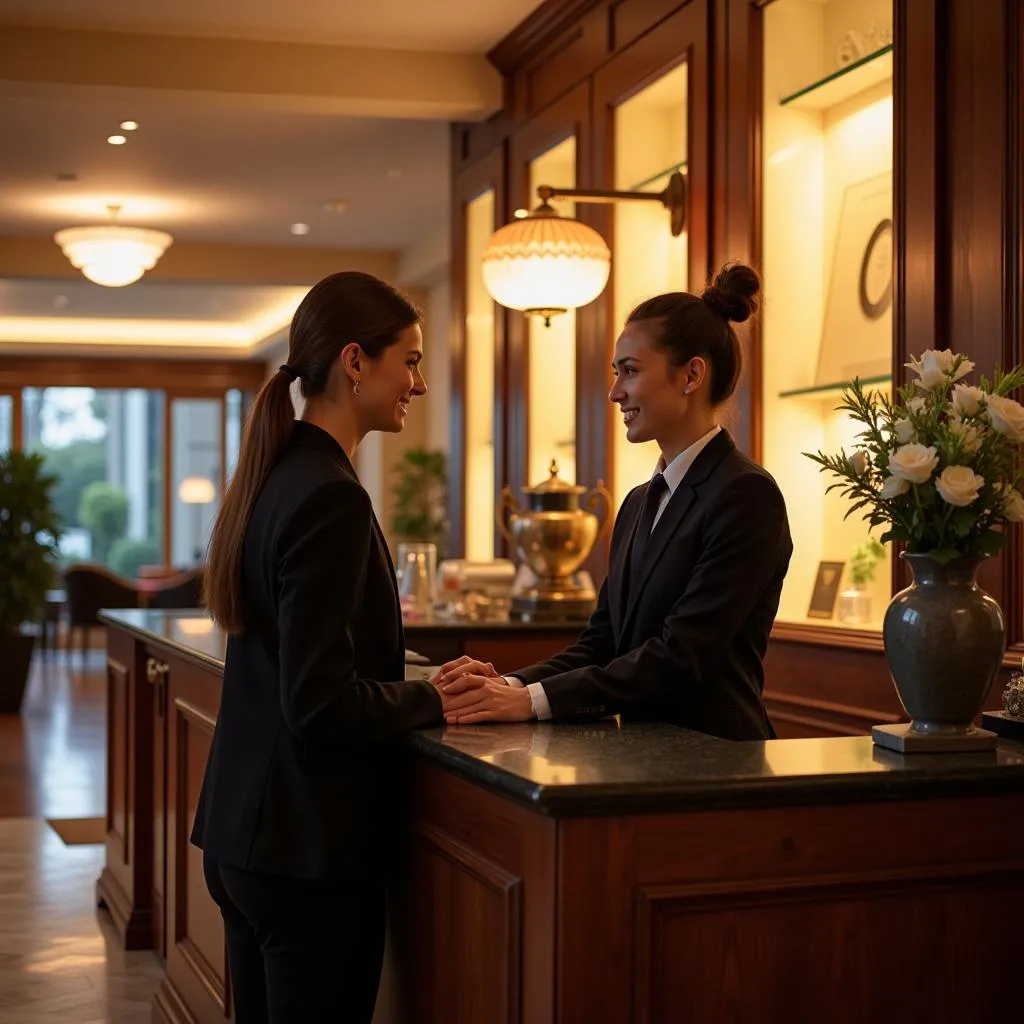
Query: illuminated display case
(828, 271)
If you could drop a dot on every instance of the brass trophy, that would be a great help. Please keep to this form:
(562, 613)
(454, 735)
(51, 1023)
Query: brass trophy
(553, 537)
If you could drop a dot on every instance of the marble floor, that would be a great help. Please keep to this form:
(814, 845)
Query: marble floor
(59, 956)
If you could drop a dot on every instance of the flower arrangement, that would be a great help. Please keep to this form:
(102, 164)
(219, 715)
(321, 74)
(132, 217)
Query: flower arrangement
(941, 466)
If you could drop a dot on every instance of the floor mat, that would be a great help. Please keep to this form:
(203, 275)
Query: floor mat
(79, 831)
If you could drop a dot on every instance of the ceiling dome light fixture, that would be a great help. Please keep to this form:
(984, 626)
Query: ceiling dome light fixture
(544, 264)
(110, 254)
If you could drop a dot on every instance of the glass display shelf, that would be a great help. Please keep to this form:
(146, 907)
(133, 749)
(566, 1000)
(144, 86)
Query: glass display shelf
(641, 185)
(840, 85)
(819, 392)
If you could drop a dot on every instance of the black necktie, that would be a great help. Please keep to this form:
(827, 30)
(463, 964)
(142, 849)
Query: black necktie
(652, 499)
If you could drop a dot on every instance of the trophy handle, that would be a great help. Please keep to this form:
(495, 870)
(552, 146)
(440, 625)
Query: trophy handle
(591, 500)
(506, 502)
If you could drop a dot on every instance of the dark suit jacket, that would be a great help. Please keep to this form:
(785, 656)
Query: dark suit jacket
(684, 642)
(295, 778)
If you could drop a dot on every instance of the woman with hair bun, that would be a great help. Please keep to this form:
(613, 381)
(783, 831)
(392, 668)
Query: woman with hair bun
(698, 554)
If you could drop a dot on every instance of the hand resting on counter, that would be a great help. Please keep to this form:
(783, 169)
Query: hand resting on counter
(472, 691)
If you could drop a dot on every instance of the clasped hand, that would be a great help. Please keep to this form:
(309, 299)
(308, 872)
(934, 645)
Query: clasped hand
(472, 691)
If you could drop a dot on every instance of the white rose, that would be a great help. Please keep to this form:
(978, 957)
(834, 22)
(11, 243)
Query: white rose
(959, 485)
(858, 462)
(916, 405)
(970, 434)
(904, 431)
(1006, 416)
(1011, 503)
(935, 368)
(913, 462)
(893, 487)
(967, 399)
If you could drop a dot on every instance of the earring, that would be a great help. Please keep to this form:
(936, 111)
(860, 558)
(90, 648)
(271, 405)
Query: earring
(355, 389)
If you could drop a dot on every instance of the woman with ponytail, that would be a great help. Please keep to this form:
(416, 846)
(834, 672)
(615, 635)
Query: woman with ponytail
(698, 553)
(293, 811)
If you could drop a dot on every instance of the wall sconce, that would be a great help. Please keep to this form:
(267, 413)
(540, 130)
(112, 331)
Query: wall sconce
(545, 264)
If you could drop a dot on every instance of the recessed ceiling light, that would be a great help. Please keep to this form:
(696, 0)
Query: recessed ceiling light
(116, 140)
(395, 172)
(336, 205)
(300, 229)
(129, 126)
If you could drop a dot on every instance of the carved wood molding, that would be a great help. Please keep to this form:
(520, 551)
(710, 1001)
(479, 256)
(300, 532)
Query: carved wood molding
(537, 31)
(118, 680)
(828, 636)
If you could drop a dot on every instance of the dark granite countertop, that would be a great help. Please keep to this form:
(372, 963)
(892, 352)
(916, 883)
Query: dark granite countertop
(601, 768)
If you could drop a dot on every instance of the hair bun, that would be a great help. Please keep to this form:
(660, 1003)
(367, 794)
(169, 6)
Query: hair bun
(733, 293)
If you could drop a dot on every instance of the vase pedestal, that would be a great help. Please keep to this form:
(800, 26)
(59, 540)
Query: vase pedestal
(905, 739)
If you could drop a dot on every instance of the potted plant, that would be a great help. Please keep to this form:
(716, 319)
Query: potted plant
(855, 601)
(29, 532)
(940, 469)
(419, 519)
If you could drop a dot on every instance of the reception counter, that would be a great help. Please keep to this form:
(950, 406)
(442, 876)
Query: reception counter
(572, 873)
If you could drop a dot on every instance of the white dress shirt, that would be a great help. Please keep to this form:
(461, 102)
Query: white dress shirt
(673, 473)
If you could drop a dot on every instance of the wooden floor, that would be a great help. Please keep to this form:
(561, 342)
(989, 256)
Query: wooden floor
(59, 958)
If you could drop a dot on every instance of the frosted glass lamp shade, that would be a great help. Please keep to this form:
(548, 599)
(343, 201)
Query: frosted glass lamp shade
(112, 255)
(545, 264)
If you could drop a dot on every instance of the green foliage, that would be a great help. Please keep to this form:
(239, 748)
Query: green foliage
(420, 510)
(904, 474)
(75, 467)
(29, 532)
(865, 560)
(104, 513)
(127, 554)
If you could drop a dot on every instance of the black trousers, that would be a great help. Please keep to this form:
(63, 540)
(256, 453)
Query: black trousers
(300, 952)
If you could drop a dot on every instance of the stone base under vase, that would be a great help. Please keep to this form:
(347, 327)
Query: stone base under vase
(905, 739)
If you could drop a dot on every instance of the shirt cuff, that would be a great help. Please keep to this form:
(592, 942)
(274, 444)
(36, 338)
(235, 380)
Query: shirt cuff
(538, 698)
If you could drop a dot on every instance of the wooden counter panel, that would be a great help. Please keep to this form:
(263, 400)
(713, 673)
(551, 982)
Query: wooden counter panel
(196, 954)
(125, 885)
(794, 913)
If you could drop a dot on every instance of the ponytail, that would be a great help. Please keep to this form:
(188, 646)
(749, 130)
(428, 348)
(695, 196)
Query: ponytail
(267, 431)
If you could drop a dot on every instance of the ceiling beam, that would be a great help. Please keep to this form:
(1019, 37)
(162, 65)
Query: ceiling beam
(352, 81)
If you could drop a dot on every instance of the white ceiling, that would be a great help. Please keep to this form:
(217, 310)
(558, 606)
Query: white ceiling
(448, 26)
(220, 173)
(143, 300)
(209, 174)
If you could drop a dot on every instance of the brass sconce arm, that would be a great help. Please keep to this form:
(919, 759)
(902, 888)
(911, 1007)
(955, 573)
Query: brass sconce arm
(672, 197)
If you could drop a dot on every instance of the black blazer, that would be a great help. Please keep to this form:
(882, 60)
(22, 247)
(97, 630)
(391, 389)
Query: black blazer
(684, 643)
(295, 778)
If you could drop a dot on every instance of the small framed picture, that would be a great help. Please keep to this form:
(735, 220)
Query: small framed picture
(826, 588)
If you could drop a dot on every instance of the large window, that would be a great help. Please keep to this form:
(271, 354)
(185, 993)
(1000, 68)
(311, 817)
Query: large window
(106, 449)
(6, 422)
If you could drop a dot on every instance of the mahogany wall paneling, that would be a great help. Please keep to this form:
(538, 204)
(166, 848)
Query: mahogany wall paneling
(566, 118)
(792, 894)
(681, 38)
(196, 956)
(564, 63)
(125, 883)
(486, 174)
(735, 228)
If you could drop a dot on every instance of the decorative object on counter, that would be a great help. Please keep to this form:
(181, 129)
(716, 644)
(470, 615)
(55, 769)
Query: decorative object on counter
(941, 470)
(416, 568)
(420, 512)
(553, 537)
(826, 586)
(855, 601)
(476, 591)
(545, 264)
(1009, 723)
(29, 533)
